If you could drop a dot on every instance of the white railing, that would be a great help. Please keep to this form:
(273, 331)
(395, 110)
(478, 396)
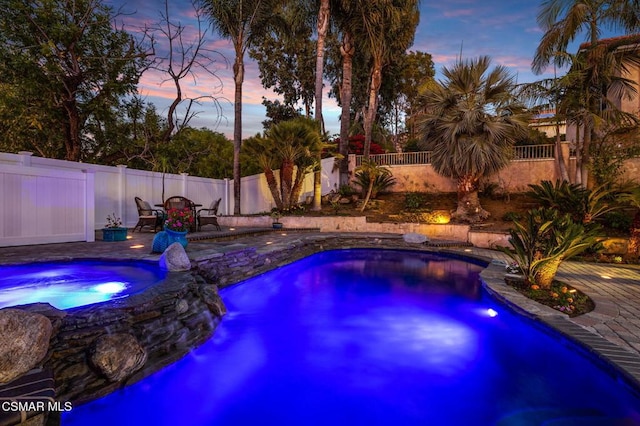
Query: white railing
(524, 152)
(398, 159)
(533, 152)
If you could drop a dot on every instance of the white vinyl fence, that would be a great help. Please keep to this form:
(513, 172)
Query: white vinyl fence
(46, 201)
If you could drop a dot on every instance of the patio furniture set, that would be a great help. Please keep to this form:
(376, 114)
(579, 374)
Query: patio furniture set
(155, 217)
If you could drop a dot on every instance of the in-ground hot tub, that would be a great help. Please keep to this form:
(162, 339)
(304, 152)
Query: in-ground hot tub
(69, 284)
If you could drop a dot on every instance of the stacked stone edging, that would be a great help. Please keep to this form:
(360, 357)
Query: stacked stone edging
(167, 321)
(226, 268)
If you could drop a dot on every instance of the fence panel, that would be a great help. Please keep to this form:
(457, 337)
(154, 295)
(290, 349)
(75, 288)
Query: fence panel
(45, 205)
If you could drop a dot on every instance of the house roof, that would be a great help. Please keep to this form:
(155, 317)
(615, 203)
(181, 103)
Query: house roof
(629, 41)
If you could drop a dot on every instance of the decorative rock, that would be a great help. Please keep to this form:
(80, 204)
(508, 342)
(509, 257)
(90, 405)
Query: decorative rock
(24, 342)
(175, 258)
(618, 246)
(118, 355)
(210, 297)
(413, 237)
(182, 306)
(345, 200)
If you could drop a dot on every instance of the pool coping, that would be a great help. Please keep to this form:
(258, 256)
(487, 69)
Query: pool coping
(625, 363)
(622, 362)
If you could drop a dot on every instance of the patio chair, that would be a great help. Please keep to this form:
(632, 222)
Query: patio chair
(209, 216)
(148, 216)
(180, 203)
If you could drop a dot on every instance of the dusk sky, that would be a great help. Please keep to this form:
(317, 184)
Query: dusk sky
(507, 31)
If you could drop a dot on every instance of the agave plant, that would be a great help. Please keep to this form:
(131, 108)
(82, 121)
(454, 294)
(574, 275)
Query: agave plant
(543, 240)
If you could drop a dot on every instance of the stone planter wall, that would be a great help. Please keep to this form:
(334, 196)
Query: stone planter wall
(456, 232)
(166, 322)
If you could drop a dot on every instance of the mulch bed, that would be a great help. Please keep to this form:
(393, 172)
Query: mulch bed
(560, 296)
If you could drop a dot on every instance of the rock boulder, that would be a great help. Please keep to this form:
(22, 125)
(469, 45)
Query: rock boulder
(24, 342)
(415, 238)
(175, 258)
(117, 355)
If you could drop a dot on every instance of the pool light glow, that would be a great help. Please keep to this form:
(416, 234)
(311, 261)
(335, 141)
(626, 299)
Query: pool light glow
(110, 287)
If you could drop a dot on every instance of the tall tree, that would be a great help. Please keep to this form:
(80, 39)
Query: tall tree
(344, 17)
(69, 61)
(563, 21)
(324, 14)
(286, 55)
(242, 22)
(184, 54)
(471, 124)
(416, 75)
(292, 147)
(389, 28)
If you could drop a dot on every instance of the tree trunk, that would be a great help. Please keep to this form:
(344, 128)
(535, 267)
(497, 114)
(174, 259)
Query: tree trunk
(297, 187)
(347, 51)
(72, 142)
(273, 187)
(323, 26)
(546, 273)
(634, 238)
(562, 166)
(238, 77)
(578, 172)
(469, 208)
(586, 155)
(317, 186)
(286, 182)
(371, 109)
(368, 196)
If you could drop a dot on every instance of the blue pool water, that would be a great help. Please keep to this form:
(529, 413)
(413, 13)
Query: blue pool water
(75, 283)
(366, 337)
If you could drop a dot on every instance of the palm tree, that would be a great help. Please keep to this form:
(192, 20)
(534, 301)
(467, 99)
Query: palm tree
(323, 26)
(471, 123)
(389, 29)
(344, 18)
(241, 21)
(563, 21)
(261, 149)
(294, 146)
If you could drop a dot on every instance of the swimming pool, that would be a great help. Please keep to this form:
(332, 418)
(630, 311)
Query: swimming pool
(372, 337)
(75, 283)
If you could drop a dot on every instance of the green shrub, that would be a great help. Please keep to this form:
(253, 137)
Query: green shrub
(584, 205)
(511, 216)
(347, 190)
(414, 200)
(618, 220)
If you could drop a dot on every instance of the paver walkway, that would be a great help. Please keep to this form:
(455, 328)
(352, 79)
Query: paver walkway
(612, 329)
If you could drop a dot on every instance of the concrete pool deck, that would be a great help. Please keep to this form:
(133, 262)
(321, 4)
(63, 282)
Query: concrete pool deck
(611, 331)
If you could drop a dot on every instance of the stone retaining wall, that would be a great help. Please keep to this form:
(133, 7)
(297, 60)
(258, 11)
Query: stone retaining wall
(457, 232)
(167, 321)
